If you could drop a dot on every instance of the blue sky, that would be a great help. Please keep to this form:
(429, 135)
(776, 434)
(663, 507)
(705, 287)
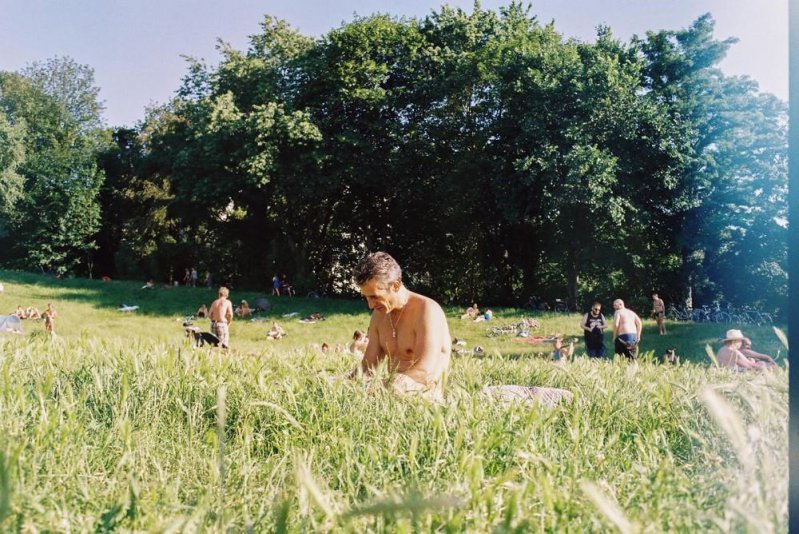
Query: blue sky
(135, 47)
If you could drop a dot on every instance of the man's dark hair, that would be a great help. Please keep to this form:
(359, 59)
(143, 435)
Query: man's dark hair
(379, 265)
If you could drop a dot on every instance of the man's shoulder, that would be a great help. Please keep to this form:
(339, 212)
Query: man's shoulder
(426, 303)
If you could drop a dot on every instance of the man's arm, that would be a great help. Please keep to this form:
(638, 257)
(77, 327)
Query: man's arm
(749, 353)
(639, 326)
(745, 363)
(432, 358)
(615, 324)
(229, 312)
(374, 352)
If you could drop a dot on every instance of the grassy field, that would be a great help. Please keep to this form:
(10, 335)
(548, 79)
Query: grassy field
(118, 424)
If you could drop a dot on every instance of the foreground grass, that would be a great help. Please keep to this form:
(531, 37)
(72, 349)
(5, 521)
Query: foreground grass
(133, 430)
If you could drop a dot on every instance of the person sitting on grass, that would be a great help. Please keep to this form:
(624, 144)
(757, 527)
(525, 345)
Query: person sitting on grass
(244, 310)
(276, 332)
(33, 313)
(19, 312)
(407, 330)
(559, 352)
(746, 350)
(487, 316)
(358, 343)
(731, 357)
(471, 312)
(202, 311)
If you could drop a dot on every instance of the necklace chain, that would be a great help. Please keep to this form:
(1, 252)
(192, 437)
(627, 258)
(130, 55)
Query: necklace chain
(393, 325)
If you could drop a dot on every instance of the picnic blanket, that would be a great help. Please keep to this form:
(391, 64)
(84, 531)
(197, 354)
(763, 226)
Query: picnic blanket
(10, 323)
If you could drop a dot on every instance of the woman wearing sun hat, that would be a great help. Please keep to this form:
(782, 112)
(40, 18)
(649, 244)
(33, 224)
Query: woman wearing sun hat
(731, 357)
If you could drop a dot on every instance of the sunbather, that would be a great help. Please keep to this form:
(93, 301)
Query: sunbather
(276, 332)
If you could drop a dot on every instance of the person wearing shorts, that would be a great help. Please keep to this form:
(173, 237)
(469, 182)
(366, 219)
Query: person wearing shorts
(627, 328)
(659, 313)
(221, 315)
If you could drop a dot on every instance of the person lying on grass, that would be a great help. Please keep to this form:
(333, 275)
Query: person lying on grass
(408, 330)
(731, 357)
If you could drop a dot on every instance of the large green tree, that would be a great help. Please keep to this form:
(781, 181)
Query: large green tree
(54, 223)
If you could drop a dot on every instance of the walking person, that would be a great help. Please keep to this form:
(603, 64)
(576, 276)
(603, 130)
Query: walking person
(627, 329)
(221, 315)
(276, 285)
(593, 324)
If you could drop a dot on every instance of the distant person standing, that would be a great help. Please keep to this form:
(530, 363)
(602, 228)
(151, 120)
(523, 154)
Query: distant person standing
(221, 315)
(276, 285)
(187, 277)
(593, 325)
(193, 277)
(49, 319)
(286, 286)
(659, 313)
(627, 328)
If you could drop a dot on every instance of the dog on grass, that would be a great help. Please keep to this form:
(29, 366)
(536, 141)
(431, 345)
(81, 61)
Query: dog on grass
(670, 356)
(201, 338)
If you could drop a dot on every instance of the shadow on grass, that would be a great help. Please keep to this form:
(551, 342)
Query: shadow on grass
(170, 301)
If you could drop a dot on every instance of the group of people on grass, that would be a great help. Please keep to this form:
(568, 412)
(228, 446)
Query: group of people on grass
(410, 332)
(282, 285)
(32, 313)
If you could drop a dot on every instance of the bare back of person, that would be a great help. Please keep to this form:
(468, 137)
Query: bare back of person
(221, 309)
(625, 321)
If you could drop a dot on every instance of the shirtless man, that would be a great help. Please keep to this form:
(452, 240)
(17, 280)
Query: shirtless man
(627, 328)
(659, 312)
(49, 318)
(407, 330)
(746, 350)
(221, 315)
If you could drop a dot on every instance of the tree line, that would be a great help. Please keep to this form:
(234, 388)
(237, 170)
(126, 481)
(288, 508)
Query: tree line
(493, 157)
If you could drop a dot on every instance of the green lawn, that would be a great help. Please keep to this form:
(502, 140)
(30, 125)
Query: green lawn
(117, 423)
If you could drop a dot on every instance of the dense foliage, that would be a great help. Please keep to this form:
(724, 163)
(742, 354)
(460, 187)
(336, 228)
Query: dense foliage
(493, 157)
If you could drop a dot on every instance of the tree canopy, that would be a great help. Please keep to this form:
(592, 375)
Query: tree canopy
(493, 157)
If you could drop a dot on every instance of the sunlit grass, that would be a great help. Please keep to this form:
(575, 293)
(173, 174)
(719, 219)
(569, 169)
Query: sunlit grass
(119, 424)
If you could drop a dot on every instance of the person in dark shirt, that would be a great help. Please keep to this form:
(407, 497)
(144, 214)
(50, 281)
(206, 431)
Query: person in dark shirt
(593, 325)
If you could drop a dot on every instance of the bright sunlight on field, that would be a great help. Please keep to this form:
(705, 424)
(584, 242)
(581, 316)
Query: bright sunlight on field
(118, 423)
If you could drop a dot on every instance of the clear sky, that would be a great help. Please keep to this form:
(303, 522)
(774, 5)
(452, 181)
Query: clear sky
(135, 46)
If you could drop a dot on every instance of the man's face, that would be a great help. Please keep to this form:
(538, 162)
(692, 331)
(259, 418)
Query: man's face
(380, 295)
(595, 310)
(616, 305)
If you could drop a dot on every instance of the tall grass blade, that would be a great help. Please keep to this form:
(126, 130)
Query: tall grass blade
(5, 487)
(612, 511)
(729, 422)
(782, 337)
(306, 480)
